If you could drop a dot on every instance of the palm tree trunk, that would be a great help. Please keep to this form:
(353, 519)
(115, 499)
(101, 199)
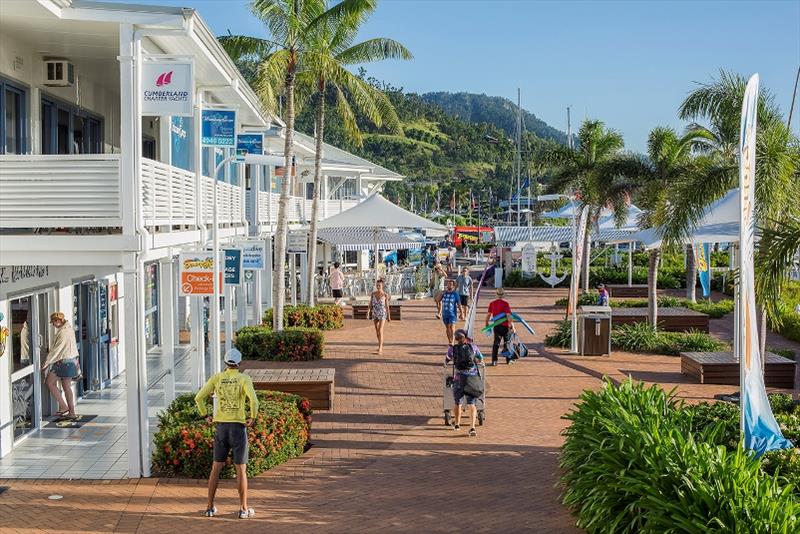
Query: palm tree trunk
(312, 234)
(279, 274)
(691, 274)
(652, 288)
(587, 251)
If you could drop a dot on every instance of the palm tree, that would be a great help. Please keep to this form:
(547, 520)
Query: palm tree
(719, 104)
(580, 170)
(284, 56)
(330, 51)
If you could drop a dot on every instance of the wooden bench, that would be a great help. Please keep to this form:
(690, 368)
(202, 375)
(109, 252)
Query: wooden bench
(722, 368)
(360, 310)
(316, 385)
(669, 319)
(624, 291)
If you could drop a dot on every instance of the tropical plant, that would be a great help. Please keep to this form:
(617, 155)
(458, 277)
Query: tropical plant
(281, 58)
(291, 344)
(579, 171)
(330, 51)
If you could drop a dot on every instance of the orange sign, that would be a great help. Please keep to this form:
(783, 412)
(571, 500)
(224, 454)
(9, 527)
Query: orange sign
(197, 273)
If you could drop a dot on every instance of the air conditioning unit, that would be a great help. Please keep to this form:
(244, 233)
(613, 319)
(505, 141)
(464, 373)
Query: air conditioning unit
(59, 73)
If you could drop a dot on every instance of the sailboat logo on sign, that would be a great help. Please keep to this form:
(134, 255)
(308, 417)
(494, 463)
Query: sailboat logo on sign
(165, 78)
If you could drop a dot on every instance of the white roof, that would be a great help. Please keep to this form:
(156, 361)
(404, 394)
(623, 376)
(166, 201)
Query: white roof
(377, 212)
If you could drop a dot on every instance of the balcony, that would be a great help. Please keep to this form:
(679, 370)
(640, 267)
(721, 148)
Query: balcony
(298, 210)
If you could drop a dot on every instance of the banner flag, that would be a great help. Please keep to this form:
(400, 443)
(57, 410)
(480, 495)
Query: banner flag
(760, 429)
(577, 255)
(702, 259)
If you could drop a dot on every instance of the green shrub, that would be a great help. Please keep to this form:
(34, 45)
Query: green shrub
(289, 345)
(561, 336)
(783, 351)
(633, 464)
(322, 316)
(713, 309)
(184, 443)
(641, 337)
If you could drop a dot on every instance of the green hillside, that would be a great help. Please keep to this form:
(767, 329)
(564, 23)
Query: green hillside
(501, 112)
(437, 151)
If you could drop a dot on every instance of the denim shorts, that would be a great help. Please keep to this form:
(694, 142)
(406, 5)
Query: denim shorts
(458, 393)
(231, 437)
(448, 318)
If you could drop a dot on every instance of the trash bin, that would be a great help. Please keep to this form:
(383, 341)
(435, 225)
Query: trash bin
(594, 330)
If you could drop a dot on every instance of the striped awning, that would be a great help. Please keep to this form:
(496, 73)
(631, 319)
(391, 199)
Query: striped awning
(551, 234)
(364, 239)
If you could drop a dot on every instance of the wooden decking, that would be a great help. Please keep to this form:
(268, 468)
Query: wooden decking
(669, 319)
(624, 291)
(314, 384)
(723, 368)
(360, 310)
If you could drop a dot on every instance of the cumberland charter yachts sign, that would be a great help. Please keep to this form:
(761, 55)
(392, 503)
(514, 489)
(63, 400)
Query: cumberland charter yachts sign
(167, 88)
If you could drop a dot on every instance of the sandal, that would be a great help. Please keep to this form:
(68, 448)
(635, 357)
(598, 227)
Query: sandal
(62, 415)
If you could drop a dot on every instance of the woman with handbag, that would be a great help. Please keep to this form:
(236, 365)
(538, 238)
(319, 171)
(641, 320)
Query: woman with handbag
(61, 365)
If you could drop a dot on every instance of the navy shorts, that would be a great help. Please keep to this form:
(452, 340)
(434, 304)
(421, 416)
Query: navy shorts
(458, 393)
(337, 293)
(465, 300)
(448, 318)
(231, 437)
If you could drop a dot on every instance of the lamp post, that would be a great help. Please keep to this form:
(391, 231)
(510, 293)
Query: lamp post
(573, 285)
(246, 159)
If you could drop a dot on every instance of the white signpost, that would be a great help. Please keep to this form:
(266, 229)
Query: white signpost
(297, 242)
(529, 258)
(167, 88)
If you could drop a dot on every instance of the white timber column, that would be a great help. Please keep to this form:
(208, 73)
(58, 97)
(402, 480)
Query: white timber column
(167, 314)
(304, 274)
(198, 341)
(325, 189)
(227, 292)
(266, 283)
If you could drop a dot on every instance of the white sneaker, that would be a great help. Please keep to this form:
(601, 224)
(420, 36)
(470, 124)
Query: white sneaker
(246, 514)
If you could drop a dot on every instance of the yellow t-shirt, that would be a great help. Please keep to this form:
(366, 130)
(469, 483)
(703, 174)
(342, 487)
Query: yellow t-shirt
(230, 388)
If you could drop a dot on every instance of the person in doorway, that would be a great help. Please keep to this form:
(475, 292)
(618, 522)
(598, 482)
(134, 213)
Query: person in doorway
(61, 365)
(465, 363)
(337, 283)
(231, 388)
(448, 301)
(602, 295)
(437, 284)
(379, 311)
(464, 285)
(504, 328)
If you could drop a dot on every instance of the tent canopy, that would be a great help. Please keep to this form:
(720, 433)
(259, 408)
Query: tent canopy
(605, 214)
(555, 234)
(718, 224)
(377, 212)
(365, 238)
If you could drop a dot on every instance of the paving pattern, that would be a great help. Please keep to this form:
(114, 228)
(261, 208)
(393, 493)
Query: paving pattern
(382, 460)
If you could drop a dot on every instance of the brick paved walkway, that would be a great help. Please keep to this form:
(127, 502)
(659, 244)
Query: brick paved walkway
(383, 460)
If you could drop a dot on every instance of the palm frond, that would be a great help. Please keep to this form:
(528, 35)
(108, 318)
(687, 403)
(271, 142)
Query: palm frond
(371, 50)
(780, 241)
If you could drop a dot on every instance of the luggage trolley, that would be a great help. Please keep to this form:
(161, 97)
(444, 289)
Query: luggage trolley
(448, 404)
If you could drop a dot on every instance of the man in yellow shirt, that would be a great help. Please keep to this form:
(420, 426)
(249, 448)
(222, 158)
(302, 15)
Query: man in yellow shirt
(230, 388)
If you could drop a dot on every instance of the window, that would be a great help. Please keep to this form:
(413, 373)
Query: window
(69, 130)
(13, 117)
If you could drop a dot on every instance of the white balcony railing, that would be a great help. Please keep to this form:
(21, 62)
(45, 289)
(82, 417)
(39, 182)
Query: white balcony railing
(298, 209)
(60, 191)
(168, 195)
(229, 202)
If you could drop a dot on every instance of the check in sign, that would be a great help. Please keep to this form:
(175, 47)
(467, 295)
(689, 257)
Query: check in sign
(219, 127)
(233, 266)
(196, 271)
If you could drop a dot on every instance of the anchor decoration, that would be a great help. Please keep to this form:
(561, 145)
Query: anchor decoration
(553, 280)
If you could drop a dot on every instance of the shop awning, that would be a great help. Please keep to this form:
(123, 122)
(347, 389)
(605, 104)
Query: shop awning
(553, 234)
(365, 239)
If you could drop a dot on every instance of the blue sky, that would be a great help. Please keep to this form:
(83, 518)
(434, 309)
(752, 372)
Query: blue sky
(627, 63)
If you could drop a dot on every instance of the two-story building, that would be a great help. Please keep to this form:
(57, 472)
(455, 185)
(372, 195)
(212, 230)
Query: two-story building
(96, 201)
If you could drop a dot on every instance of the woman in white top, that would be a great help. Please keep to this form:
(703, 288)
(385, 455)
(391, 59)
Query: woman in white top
(61, 365)
(337, 283)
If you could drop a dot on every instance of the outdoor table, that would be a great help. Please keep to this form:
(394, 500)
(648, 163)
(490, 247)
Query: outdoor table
(723, 368)
(669, 319)
(624, 291)
(316, 385)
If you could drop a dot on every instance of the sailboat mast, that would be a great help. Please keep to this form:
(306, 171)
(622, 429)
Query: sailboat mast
(517, 156)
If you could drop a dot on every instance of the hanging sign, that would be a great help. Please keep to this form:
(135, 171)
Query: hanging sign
(233, 266)
(167, 88)
(219, 127)
(249, 143)
(196, 273)
(296, 242)
(253, 255)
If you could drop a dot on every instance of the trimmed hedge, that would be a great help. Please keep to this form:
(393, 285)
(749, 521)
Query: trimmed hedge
(641, 337)
(635, 462)
(184, 443)
(667, 278)
(713, 309)
(288, 345)
(322, 316)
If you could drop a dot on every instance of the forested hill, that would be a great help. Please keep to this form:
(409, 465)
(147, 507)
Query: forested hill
(438, 152)
(496, 110)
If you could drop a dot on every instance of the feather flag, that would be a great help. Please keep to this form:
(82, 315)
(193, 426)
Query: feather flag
(760, 429)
